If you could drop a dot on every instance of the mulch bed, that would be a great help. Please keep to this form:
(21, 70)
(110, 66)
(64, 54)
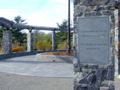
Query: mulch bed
(58, 53)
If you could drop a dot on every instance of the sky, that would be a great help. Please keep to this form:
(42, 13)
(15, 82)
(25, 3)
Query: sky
(36, 12)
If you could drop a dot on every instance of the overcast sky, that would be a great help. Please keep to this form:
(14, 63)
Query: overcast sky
(36, 12)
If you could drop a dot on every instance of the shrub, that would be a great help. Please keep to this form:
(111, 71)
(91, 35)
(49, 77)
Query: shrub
(1, 51)
(58, 53)
(62, 46)
(43, 45)
(40, 45)
(18, 49)
(48, 46)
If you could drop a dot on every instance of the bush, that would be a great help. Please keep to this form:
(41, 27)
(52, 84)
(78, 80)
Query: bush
(18, 49)
(62, 45)
(1, 51)
(43, 45)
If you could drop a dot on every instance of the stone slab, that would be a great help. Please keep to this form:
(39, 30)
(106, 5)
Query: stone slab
(93, 40)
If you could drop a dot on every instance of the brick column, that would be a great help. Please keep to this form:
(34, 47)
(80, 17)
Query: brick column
(7, 41)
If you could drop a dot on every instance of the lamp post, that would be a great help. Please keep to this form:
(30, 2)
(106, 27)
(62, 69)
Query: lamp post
(69, 38)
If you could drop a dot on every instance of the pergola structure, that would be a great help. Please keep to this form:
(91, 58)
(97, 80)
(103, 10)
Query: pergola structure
(9, 25)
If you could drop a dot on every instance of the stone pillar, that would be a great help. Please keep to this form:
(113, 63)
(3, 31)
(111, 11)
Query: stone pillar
(117, 38)
(119, 42)
(91, 8)
(7, 41)
(29, 41)
(53, 40)
(116, 41)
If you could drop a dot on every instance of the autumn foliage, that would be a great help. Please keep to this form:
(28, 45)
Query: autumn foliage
(18, 49)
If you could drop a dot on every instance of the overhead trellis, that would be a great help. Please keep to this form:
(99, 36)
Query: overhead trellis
(11, 25)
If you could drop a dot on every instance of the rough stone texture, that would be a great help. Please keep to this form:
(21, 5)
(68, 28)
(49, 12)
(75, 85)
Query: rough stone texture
(88, 11)
(7, 41)
(117, 38)
(92, 77)
(94, 2)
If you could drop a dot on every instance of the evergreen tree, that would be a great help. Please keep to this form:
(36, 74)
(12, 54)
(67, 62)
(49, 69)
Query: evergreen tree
(61, 36)
(17, 35)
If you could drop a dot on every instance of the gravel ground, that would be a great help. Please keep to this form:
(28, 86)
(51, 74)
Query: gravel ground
(20, 82)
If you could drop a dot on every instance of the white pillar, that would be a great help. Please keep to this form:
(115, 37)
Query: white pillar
(53, 40)
(29, 41)
(116, 39)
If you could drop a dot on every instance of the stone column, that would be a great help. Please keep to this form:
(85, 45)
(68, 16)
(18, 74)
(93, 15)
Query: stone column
(119, 42)
(117, 38)
(7, 41)
(116, 41)
(91, 8)
(53, 40)
(29, 41)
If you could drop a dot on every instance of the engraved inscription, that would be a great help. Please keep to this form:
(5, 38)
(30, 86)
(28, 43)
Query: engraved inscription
(93, 40)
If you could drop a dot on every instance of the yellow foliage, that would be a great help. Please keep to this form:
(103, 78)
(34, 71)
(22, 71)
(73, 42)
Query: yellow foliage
(18, 49)
(58, 53)
(1, 51)
(43, 45)
(62, 46)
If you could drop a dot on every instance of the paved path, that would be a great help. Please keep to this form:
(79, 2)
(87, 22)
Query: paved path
(117, 83)
(25, 73)
(19, 82)
(28, 65)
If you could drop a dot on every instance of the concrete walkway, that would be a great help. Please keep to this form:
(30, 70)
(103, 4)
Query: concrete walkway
(26, 73)
(28, 65)
(20, 82)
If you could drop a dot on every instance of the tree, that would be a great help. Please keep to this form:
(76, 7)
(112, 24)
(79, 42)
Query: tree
(61, 36)
(63, 25)
(17, 35)
(19, 20)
